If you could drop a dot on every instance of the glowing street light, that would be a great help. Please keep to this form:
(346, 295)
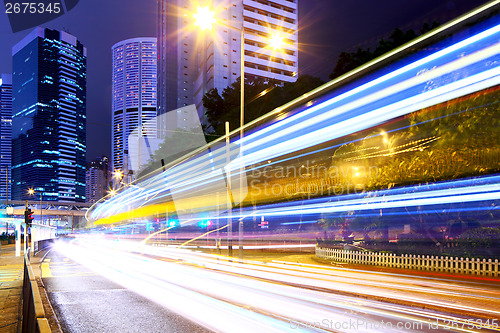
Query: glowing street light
(118, 177)
(276, 42)
(118, 174)
(205, 18)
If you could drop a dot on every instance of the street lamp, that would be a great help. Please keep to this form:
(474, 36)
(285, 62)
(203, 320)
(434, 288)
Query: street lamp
(118, 177)
(32, 192)
(205, 18)
(118, 174)
(276, 42)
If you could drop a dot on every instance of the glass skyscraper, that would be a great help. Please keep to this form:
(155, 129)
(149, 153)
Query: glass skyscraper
(49, 116)
(5, 134)
(134, 95)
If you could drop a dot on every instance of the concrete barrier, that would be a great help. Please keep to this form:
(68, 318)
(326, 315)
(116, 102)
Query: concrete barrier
(34, 320)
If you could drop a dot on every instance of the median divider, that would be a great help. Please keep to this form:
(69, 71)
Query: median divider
(33, 313)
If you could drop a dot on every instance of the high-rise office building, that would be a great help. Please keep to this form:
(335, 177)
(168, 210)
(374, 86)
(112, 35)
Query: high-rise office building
(192, 62)
(134, 95)
(5, 134)
(176, 65)
(175, 56)
(94, 185)
(97, 180)
(49, 116)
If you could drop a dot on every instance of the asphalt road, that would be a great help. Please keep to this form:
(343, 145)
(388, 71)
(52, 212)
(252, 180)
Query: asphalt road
(86, 302)
(229, 295)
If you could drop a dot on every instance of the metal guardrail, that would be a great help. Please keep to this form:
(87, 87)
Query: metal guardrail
(34, 320)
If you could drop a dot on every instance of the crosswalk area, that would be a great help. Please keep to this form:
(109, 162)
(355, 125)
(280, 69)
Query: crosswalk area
(9, 273)
(63, 267)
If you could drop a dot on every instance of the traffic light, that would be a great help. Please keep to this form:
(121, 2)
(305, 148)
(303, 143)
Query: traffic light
(156, 224)
(28, 217)
(205, 223)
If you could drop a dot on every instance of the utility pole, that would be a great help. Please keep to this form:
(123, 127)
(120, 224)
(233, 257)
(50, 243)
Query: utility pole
(25, 230)
(230, 199)
(41, 210)
(6, 197)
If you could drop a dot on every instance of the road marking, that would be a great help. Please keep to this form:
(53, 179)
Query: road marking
(45, 270)
(10, 273)
(73, 275)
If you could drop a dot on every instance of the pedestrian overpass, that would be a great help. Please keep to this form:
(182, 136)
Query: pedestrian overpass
(50, 219)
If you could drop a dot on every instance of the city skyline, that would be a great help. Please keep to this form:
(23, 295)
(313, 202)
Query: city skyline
(369, 202)
(325, 29)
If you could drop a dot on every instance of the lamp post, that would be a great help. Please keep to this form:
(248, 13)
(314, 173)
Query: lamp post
(6, 196)
(205, 18)
(32, 192)
(118, 176)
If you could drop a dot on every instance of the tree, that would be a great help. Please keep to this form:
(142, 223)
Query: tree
(481, 242)
(340, 223)
(347, 61)
(261, 97)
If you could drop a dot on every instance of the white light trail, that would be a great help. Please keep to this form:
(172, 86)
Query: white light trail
(250, 296)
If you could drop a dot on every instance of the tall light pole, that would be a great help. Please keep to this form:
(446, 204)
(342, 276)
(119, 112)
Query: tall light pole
(205, 18)
(118, 175)
(6, 196)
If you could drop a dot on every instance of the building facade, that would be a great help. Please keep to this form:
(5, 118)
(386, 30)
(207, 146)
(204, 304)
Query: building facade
(97, 180)
(49, 116)
(176, 64)
(95, 183)
(5, 135)
(192, 62)
(134, 94)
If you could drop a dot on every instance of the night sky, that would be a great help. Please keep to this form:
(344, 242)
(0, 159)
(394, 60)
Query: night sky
(327, 27)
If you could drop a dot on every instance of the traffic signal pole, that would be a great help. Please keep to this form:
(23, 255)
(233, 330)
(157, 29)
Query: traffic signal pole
(25, 229)
(28, 219)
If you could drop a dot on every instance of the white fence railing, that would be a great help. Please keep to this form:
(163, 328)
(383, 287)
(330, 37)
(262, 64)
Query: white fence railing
(429, 263)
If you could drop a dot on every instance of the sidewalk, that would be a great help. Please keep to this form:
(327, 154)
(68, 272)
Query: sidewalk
(11, 287)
